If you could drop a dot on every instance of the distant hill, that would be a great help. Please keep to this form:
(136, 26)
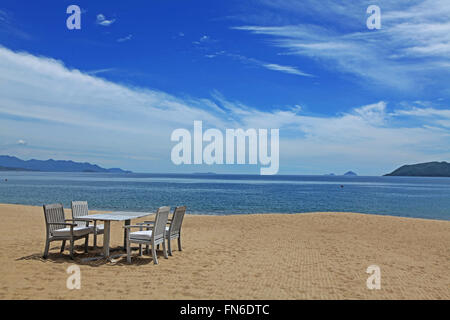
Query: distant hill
(9, 163)
(350, 173)
(13, 169)
(428, 169)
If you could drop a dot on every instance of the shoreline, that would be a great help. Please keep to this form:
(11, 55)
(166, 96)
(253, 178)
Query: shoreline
(255, 256)
(246, 214)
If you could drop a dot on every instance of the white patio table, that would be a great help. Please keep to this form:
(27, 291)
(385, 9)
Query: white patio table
(114, 216)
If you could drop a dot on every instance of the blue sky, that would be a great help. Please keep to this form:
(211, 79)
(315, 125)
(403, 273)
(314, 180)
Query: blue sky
(344, 97)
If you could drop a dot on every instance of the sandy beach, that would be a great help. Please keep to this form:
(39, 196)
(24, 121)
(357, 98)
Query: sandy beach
(269, 256)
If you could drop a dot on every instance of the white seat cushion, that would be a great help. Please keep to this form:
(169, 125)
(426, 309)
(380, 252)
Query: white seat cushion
(100, 228)
(141, 235)
(77, 231)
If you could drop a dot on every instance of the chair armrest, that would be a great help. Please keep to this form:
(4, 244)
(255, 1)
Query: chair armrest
(63, 224)
(135, 226)
(146, 223)
(153, 222)
(83, 220)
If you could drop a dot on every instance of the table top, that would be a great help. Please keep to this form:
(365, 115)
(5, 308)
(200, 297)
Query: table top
(116, 216)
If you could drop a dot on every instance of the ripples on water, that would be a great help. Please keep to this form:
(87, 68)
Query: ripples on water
(233, 194)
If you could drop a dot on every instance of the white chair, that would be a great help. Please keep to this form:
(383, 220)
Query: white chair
(79, 209)
(173, 230)
(58, 229)
(154, 235)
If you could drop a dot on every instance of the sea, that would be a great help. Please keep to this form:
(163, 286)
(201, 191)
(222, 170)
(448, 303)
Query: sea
(226, 194)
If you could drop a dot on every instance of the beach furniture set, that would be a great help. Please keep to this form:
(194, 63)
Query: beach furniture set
(151, 233)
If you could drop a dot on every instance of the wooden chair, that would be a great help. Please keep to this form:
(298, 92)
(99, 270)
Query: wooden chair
(154, 235)
(58, 229)
(79, 209)
(173, 231)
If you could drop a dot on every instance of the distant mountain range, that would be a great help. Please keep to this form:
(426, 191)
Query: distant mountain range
(8, 163)
(428, 169)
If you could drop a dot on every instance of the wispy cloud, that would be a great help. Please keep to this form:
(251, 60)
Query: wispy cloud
(414, 40)
(285, 69)
(99, 71)
(267, 65)
(129, 37)
(67, 113)
(9, 26)
(101, 20)
(204, 39)
(3, 16)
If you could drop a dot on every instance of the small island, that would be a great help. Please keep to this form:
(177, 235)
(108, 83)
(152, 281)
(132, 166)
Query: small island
(428, 169)
(350, 173)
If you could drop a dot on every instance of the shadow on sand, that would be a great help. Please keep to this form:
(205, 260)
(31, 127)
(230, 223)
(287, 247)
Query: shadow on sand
(93, 257)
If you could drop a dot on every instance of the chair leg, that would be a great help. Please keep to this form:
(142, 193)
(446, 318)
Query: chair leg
(157, 247)
(86, 244)
(95, 240)
(128, 251)
(164, 249)
(63, 246)
(179, 242)
(147, 247)
(47, 246)
(169, 246)
(72, 243)
(155, 259)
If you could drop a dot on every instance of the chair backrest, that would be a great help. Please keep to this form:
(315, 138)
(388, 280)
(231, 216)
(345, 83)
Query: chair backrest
(177, 220)
(54, 213)
(79, 208)
(162, 215)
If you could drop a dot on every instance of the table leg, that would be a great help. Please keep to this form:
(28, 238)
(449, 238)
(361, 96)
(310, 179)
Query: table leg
(106, 237)
(127, 223)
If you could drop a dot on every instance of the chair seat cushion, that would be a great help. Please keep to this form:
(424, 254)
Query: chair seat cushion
(77, 231)
(145, 234)
(141, 235)
(100, 228)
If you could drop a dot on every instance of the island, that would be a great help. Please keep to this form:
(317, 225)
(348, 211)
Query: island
(350, 173)
(10, 163)
(427, 169)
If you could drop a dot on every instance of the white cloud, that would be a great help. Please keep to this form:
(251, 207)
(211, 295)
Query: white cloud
(129, 37)
(70, 114)
(411, 51)
(99, 71)
(8, 25)
(264, 64)
(205, 39)
(3, 16)
(285, 69)
(21, 142)
(101, 20)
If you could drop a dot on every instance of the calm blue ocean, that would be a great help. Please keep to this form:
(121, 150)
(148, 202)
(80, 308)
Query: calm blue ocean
(233, 194)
